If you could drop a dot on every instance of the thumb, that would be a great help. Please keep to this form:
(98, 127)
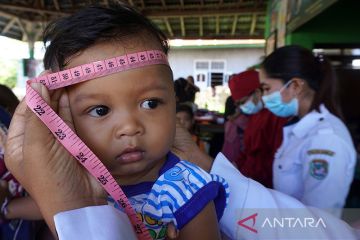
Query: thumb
(36, 131)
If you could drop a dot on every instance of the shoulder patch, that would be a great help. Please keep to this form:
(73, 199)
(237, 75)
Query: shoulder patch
(321, 151)
(319, 168)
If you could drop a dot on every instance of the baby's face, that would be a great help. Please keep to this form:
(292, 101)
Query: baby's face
(128, 118)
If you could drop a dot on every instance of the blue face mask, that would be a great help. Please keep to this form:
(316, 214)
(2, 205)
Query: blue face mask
(274, 103)
(250, 108)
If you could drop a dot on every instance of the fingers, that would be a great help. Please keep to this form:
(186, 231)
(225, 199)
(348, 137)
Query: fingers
(64, 110)
(172, 232)
(36, 131)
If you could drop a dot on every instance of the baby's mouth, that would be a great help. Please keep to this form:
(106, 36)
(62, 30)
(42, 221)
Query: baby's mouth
(130, 155)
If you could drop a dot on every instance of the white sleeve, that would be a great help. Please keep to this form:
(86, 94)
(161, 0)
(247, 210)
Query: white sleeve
(93, 223)
(254, 212)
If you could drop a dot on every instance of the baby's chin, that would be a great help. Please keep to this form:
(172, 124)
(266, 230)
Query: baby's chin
(134, 173)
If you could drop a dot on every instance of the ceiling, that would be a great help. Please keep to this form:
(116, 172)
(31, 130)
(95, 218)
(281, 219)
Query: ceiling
(186, 19)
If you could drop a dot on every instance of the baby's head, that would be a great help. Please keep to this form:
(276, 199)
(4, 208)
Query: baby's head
(185, 116)
(128, 118)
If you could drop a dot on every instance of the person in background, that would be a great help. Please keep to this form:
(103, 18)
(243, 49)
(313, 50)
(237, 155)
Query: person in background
(191, 88)
(244, 88)
(316, 160)
(8, 99)
(185, 117)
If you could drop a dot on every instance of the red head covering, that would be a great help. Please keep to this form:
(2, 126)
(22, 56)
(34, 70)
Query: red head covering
(243, 84)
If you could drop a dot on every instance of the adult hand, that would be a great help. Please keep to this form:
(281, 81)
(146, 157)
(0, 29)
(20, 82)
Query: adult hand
(42, 165)
(185, 148)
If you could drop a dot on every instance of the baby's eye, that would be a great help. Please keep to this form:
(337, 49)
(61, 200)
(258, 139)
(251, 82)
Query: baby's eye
(150, 104)
(98, 111)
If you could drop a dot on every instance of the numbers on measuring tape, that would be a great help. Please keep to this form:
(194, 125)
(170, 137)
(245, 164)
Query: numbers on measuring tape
(81, 157)
(60, 134)
(102, 179)
(65, 76)
(137, 228)
(122, 203)
(39, 110)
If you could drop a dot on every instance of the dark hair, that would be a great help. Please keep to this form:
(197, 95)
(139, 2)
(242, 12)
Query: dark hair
(290, 62)
(73, 34)
(8, 99)
(185, 108)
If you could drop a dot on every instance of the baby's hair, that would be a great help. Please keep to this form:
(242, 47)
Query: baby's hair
(70, 35)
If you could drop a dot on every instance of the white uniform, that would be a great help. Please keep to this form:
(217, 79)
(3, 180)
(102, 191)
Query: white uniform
(316, 161)
(245, 217)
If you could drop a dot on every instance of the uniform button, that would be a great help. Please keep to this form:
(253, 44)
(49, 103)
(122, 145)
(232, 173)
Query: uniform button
(280, 167)
(321, 119)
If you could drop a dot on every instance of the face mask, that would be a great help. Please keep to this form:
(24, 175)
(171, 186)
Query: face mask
(250, 108)
(274, 103)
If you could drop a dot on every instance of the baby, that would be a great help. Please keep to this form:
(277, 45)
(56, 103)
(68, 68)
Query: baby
(128, 120)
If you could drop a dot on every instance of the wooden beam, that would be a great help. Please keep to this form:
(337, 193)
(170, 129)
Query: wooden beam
(182, 23)
(233, 29)
(142, 4)
(57, 6)
(168, 27)
(217, 25)
(23, 29)
(30, 9)
(253, 24)
(197, 12)
(182, 3)
(163, 3)
(201, 30)
(8, 26)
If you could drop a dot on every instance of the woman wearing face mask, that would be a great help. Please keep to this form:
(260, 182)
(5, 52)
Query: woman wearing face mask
(244, 88)
(315, 162)
(253, 136)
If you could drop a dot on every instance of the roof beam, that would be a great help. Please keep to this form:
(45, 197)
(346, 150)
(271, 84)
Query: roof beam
(57, 6)
(233, 29)
(198, 12)
(201, 30)
(253, 25)
(23, 29)
(168, 27)
(182, 23)
(30, 9)
(217, 25)
(163, 3)
(142, 4)
(8, 26)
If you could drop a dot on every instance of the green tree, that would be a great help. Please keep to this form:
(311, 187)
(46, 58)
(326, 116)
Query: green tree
(8, 72)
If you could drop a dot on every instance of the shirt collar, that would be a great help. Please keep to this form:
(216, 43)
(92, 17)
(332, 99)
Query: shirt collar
(309, 121)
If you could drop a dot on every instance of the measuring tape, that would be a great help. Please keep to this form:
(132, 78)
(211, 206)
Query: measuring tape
(69, 139)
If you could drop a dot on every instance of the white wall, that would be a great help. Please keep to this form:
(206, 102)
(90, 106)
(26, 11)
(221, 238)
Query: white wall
(237, 60)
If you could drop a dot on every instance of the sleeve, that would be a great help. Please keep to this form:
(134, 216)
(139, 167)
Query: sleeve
(328, 169)
(93, 223)
(182, 192)
(252, 209)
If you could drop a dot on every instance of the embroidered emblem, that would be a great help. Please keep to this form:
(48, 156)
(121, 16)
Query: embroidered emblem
(321, 151)
(319, 168)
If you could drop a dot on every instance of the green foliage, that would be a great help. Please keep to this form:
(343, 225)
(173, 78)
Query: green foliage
(8, 72)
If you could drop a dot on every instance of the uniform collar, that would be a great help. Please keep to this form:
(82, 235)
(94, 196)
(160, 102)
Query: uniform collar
(309, 121)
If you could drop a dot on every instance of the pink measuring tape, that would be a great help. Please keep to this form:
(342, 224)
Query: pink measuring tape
(69, 139)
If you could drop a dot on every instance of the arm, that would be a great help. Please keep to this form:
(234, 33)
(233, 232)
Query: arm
(203, 226)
